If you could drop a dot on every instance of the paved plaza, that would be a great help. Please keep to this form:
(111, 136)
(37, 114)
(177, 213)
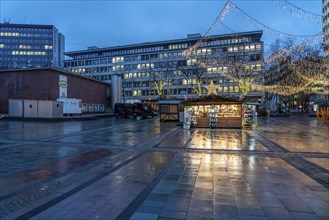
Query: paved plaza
(143, 169)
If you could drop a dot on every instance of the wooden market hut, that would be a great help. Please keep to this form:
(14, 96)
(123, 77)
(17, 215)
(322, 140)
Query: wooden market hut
(169, 109)
(227, 111)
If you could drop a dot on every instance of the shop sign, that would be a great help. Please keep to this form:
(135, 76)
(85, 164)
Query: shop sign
(63, 84)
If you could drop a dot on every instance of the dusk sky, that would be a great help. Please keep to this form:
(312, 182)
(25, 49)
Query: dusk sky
(114, 23)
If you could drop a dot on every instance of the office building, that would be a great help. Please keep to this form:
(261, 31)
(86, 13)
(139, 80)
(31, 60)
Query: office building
(137, 71)
(29, 45)
(325, 25)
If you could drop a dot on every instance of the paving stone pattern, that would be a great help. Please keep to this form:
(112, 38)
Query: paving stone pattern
(128, 169)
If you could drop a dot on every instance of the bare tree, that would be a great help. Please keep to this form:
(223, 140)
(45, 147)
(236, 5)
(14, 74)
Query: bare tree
(194, 72)
(238, 66)
(161, 74)
(295, 69)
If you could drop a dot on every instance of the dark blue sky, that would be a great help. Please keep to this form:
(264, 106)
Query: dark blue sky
(112, 23)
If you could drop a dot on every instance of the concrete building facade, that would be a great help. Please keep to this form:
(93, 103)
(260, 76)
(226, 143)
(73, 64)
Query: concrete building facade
(29, 45)
(325, 25)
(135, 70)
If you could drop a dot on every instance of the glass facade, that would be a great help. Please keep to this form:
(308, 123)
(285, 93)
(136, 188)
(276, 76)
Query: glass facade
(23, 46)
(144, 66)
(325, 24)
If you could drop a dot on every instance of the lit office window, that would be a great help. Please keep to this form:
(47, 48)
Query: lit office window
(9, 34)
(117, 59)
(48, 47)
(191, 62)
(22, 46)
(42, 53)
(258, 67)
(137, 93)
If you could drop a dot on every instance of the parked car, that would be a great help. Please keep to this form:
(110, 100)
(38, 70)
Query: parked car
(142, 110)
(122, 110)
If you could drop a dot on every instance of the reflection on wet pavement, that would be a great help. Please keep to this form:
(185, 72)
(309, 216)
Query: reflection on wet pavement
(232, 139)
(123, 168)
(201, 186)
(35, 155)
(297, 137)
(322, 162)
(17, 181)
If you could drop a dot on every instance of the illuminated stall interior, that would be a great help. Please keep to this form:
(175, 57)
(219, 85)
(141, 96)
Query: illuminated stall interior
(226, 112)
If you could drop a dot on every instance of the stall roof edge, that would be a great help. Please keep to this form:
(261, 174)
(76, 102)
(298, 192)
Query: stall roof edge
(169, 102)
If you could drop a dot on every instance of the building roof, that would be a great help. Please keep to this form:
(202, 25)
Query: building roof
(213, 99)
(169, 102)
(26, 25)
(50, 68)
(257, 34)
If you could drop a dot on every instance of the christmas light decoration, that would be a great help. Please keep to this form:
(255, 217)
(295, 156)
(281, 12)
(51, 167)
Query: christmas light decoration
(247, 18)
(219, 18)
(212, 89)
(310, 16)
(302, 74)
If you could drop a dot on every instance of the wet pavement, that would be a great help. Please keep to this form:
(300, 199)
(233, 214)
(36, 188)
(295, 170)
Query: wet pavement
(127, 169)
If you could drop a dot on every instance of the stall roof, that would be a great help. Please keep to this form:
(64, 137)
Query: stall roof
(214, 99)
(168, 102)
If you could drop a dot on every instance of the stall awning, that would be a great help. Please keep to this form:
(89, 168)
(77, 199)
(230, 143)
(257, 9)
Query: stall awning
(252, 103)
(169, 102)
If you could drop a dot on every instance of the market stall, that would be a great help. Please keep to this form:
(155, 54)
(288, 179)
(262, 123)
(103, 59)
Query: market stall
(215, 112)
(169, 109)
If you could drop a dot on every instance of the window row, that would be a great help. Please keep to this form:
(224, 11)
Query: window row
(245, 48)
(158, 57)
(17, 34)
(28, 41)
(208, 43)
(34, 29)
(37, 53)
(162, 68)
(181, 91)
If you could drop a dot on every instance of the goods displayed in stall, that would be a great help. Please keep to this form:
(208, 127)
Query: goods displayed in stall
(247, 118)
(213, 118)
(216, 112)
(189, 117)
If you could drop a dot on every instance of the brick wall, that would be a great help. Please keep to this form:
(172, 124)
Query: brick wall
(42, 84)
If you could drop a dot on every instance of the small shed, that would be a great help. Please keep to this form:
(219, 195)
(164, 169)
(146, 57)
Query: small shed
(169, 109)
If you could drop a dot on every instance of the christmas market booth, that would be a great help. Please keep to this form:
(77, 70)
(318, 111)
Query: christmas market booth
(169, 109)
(213, 112)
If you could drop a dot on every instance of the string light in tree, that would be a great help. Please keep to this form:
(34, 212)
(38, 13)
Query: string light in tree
(306, 77)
